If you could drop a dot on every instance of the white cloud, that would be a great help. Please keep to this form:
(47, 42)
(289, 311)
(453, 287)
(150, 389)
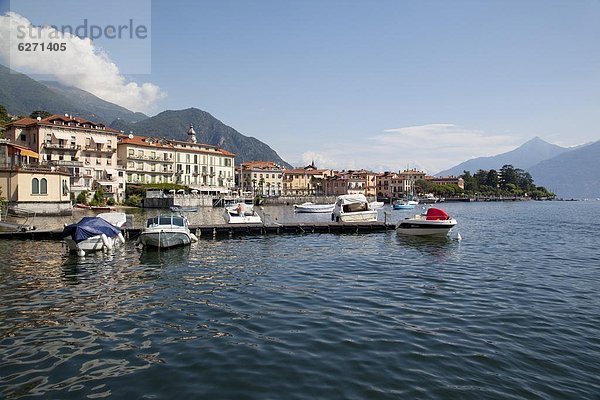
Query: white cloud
(431, 148)
(82, 64)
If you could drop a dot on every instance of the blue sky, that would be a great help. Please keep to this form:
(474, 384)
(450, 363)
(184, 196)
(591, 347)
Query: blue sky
(381, 84)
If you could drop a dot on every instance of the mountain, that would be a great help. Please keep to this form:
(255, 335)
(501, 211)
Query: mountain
(21, 95)
(174, 124)
(573, 174)
(105, 111)
(524, 157)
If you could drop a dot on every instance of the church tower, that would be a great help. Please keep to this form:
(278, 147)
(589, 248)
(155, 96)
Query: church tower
(191, 134)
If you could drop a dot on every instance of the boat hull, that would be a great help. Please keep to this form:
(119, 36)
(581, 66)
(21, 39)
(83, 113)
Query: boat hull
(425, 227)
(95, 243)
(403, 206)
(247, 219)
(165, 240)
(313, 208)
(360, 216)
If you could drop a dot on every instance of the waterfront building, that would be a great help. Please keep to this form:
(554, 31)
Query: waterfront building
(389, 186)
(447, 180)
(32, 186)
(260, 177)
(205, 168)
(408, 177)
(307, 181)
(88, 150)
(146, 159)
(351, 182)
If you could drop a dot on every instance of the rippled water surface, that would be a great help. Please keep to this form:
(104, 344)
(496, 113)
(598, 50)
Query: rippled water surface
(511, 311)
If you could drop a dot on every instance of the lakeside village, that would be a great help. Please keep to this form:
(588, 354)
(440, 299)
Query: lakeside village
(52, 163)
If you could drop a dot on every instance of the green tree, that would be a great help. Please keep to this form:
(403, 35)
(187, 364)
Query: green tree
(40, 113)
(481, 177)
(4, 118)
(422, 186)
(492, 179)
(82, 198)
(134, 200)
(471, 184)
(508, 175)
(98, 199)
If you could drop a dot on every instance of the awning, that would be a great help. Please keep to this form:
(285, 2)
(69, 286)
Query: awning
(24, 151)
(29, 153)
(62, 135)
(98, 140)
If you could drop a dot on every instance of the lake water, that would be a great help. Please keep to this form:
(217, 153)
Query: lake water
(510, 311)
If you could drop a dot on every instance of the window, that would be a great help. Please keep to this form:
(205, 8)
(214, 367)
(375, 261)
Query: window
(43, 186)
(130, 153)
(65, 188)
(23, 137)
(35, 186)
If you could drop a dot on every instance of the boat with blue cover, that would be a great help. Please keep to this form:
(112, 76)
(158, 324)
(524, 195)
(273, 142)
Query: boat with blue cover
(95, 233)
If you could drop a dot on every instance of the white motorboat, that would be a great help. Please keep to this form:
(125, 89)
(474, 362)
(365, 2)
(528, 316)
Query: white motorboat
(376, 204)
(434, 222)
(313, 208)
(166, 231)
(95, 233)
(241, 213)
(353, 208)
(403, 205)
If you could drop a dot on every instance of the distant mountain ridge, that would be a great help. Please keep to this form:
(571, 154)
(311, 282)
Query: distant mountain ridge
(573, 174)
(524, 157)
(175, 123)
(21, 95)
(105, 110)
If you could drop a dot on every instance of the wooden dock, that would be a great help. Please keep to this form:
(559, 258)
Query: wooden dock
(230, 230)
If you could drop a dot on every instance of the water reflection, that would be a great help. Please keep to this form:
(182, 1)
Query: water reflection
(441, 248)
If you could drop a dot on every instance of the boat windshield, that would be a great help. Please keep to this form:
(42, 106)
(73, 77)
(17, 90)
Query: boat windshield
(166, 220)
(355, 207)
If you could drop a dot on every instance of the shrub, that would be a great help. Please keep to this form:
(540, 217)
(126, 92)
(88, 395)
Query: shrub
(82, 198)
(134, 200)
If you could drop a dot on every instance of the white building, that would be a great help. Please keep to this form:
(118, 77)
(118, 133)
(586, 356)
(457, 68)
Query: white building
(202, 167)
(88, 150)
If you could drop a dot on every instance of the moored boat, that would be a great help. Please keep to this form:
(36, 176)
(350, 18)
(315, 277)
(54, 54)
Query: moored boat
(435, 222)
(353, 208)
(403, 205)
(183, 209)
(166, 231)
(241, 213)
(95, 233)
(376, 204)
(313, 208)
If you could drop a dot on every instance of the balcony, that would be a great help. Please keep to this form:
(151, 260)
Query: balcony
(62, 147)
(100, 149)
(66, 163)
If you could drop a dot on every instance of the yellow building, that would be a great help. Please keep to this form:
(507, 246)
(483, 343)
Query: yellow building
(351, 182)
(447, 180)
(31, 186)
(307, 181)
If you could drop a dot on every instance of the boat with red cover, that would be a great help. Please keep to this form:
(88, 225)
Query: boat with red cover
(435, 222)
